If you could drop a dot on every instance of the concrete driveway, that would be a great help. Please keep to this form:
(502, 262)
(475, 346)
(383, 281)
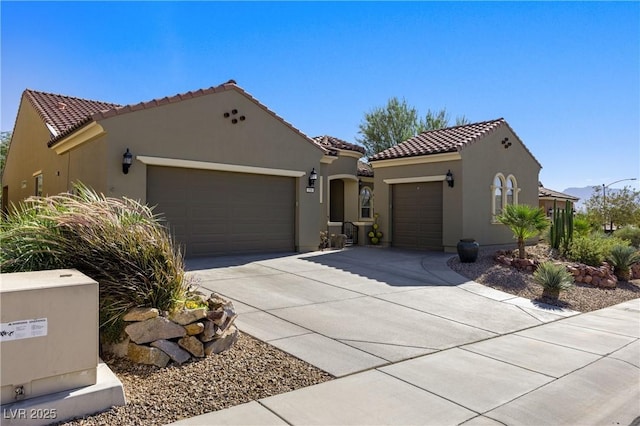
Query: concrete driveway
(416, 343)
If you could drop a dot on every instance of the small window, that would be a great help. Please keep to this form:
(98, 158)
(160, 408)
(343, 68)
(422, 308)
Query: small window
(498, 199)
(510, 191)
(39, 185)
(366, 196)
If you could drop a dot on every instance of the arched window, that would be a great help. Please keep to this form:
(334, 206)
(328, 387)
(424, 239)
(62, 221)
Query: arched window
(366, 205)
(503, 192)
(497, 189)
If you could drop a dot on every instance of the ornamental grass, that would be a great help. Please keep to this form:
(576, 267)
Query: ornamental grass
(119, 243)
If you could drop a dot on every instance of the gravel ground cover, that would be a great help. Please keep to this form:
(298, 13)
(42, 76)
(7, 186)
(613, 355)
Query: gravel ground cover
(581, 297)
(250, 370)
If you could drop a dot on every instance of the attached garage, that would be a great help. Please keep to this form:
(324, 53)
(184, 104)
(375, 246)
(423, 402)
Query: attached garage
(217, 213)
(417, 215)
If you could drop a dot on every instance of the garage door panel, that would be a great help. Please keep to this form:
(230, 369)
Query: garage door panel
(417, 215)
(215, 213)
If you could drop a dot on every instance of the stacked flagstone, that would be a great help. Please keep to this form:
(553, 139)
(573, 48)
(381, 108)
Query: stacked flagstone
(156, 338)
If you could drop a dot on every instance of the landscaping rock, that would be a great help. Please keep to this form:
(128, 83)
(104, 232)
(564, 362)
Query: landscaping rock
(216, 301)
(119, 349)
(154, 329)
(147, 355)
(173, 350)
(140, 314)
(187, 316)
(194, 328)
(223, 343)
(209, 331)
(193, 345)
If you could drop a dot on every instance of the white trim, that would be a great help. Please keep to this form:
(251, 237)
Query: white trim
(343, 176)
(78, 137)
(52, 130)
(423, 159)
(334, 223)
(39, 172)
(328, 159)
(203, 165)
(321, 189)
(436, 178)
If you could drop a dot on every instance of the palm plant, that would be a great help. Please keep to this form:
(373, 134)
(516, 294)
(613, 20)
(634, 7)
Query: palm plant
(525, 222)
(553, 278)
(621, 258)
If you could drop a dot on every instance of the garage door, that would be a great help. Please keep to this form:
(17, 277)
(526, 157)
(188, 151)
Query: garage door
(215, 213)
(417, 215)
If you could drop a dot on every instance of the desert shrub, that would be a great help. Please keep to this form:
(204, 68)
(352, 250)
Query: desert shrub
(553, 278)
(593, 249)
(629, 233)
(621, 258)
(581, 226)
(119, 243)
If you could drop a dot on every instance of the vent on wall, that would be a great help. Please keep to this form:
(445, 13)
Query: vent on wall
(234, 116)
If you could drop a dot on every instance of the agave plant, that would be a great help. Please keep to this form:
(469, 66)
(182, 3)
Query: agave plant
(553, 278)
(621, 258)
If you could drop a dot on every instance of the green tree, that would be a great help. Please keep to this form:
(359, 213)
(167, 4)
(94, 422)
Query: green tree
(384, 127)
(525, 222)
(618, 208)
(439, 120)
(5, 137)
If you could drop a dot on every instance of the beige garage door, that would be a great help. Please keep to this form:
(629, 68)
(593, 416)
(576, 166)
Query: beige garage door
(417, 215)
(216, 213)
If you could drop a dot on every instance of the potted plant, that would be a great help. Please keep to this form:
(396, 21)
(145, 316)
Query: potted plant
(468, 250)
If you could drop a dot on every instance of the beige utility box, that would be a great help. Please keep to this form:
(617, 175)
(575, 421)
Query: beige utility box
(48, 334)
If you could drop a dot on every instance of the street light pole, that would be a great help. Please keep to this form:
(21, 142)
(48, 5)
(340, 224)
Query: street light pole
(604, 202)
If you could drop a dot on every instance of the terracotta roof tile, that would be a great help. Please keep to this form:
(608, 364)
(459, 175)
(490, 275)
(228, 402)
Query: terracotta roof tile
(64, 113)
(450, 139)
(550, 193)
(365, 169)
(333, 143)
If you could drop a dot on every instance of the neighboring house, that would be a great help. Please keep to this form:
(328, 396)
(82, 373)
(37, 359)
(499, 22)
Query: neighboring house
(548, 197)
(444, 185)
(228, 174)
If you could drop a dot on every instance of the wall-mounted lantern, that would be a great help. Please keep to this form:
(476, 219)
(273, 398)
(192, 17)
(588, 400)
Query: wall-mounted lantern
(127, 159)
(313, 177)
(449, 178)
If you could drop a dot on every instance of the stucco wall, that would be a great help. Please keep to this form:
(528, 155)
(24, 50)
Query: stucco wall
(481, 162)
(197, 130)
(88, 164)
(28, 154)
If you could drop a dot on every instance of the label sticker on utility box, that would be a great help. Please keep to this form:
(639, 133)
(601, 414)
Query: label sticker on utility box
(24, 329)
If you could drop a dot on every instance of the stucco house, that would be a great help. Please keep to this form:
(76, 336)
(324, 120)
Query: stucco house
(231, 176)
(444, 185)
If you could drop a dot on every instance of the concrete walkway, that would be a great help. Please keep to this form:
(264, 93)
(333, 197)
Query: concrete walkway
(412, 342)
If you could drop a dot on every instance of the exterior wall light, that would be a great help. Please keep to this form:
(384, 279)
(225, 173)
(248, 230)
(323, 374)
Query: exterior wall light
(313, 177)
(127, 159)
(449, 179)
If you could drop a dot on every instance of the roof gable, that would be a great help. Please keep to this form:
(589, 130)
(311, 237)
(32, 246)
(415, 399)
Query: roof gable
(550, 193)
(440, 141)
(65, 114)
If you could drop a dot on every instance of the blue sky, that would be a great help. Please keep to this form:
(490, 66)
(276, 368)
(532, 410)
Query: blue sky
(566, 76)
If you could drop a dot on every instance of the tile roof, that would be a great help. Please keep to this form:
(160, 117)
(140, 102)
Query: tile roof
(332, 143)
(77, 112)
(63, 114)
(365, 169)
(450, 139)
(550, 193)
